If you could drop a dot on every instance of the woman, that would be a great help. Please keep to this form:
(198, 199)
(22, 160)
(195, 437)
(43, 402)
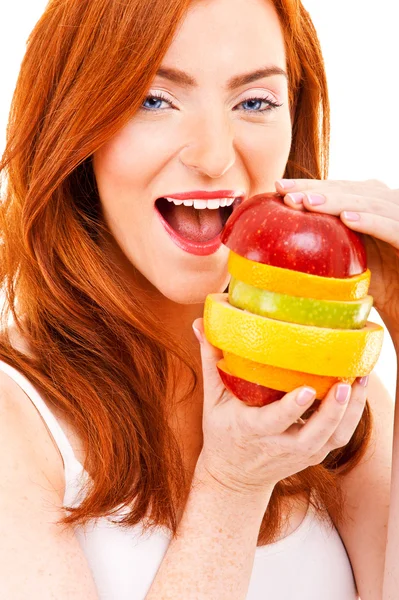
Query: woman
(115, 421)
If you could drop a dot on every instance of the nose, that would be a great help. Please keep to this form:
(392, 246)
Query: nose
(212, 152)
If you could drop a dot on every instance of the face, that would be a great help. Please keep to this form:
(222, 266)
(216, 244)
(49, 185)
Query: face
(209, 131)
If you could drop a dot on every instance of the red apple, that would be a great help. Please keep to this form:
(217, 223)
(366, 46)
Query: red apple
(265, 230)
(252, 394)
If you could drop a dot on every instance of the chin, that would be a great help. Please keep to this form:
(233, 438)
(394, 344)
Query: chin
(194, 293)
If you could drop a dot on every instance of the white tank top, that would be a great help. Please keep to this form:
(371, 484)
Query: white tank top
(309, 564)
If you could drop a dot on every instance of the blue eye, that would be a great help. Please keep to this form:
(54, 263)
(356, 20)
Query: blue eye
(154, 102)
(254, 104)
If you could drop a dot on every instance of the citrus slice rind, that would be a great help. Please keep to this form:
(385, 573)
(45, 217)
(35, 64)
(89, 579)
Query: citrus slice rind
(277, 378)
(296, 283)
(316, 350)
(335, 314)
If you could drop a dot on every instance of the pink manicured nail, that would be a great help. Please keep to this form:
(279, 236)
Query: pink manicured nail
(286, 184)
(316, 199)
(305, 396)
(364, 380)
(297, 198)
(342, 393)
(351, 216)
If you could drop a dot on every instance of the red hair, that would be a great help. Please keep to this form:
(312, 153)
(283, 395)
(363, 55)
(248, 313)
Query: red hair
(100, 353)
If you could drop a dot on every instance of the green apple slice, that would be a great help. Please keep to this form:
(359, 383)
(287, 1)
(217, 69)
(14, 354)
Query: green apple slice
(334, 314)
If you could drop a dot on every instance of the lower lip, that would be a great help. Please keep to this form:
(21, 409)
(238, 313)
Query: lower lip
(196, 248)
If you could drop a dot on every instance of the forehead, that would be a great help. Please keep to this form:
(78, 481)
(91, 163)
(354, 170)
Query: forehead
(224, 35)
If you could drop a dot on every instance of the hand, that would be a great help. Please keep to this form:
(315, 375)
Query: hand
(248, 449)
(377, 208)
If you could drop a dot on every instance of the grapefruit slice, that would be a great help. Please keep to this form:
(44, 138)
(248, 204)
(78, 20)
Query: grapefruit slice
(296, 283)
(316, 350)
(276, 378)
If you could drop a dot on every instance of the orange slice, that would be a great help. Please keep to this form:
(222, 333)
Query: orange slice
(285, 380)
(316, 350)
(295, 283)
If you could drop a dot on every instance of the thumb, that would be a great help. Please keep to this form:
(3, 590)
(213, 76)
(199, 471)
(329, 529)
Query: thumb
(210, 355)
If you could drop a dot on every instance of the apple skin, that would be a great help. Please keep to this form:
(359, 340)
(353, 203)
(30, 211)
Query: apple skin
(265, 230)
(252, 394)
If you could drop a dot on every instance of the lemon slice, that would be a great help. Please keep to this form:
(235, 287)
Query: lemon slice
(317, 350)
(296, 283)
(277, 378)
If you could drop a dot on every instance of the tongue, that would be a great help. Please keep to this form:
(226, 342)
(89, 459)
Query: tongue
(197, 225)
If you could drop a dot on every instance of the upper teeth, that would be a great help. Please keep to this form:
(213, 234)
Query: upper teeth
(204, 203)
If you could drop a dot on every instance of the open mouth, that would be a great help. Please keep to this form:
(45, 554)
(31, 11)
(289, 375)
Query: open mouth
(195, 224)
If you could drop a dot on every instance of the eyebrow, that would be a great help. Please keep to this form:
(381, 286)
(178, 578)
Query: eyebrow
(185, 80)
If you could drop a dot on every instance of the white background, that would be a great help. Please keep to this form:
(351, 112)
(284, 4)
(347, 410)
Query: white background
(361, 49)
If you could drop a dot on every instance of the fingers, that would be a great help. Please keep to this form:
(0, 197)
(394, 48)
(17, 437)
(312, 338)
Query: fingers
(333, 424)
(277, 417)
(214, 388)
(382, 228)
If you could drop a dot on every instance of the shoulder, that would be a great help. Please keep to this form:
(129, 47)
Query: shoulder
(38, 553)
(376, 462)
(367, 496)
(382, 407)
(24, 432)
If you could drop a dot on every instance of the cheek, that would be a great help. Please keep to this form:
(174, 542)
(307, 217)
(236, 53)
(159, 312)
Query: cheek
(266, 154)
(131, 159)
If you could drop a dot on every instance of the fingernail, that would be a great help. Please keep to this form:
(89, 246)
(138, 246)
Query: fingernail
(342, 393)
(364, 380)
(286, 184)
(297, 198)
(305, 396)
(198, 334)
(316, 199)
(351, 216)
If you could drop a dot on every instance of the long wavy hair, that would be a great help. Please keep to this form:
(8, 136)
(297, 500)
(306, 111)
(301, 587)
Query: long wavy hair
(100, 353)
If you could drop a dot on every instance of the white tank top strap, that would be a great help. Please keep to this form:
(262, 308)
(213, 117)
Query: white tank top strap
(58, 434)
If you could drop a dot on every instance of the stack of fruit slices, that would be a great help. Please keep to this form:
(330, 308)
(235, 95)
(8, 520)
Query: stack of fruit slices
(297, 307)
